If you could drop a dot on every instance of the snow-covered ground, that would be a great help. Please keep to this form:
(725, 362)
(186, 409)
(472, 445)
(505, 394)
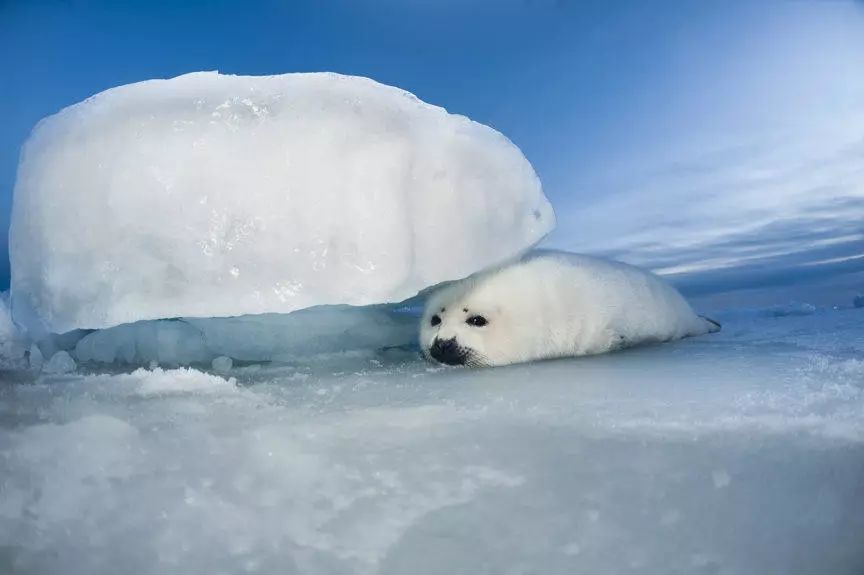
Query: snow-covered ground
(735, 453)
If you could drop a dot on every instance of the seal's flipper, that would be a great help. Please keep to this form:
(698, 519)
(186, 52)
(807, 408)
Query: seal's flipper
(713, 326)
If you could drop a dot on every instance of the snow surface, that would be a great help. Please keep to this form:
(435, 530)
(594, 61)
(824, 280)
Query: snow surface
(212, 195)
(740, 452)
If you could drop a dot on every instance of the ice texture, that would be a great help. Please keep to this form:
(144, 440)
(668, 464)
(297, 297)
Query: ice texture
(214, 195)
(60, 362)
(739, 453)
(221, 364)
(14, 347)
(255, 338)
(35, 360)
(791, 308)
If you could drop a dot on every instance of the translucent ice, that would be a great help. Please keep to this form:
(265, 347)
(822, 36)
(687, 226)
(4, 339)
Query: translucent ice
(13, 344)
(221, 364)
(212, 195)
(256, 338)
(60, 362)
(36, 359)
(168, 342)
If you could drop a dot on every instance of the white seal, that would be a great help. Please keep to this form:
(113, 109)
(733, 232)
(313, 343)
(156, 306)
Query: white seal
(553, 304)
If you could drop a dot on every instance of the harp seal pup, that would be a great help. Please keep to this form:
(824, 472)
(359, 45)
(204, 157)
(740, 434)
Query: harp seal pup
(553, 304)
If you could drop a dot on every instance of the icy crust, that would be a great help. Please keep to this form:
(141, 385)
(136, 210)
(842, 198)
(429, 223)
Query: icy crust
(211, 195)
(219, 343)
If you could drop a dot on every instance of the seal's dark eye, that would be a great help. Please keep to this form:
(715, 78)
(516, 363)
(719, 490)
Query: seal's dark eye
(435, 320)
(476, 321)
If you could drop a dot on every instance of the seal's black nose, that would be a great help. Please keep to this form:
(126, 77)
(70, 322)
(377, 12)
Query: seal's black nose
(447, 351)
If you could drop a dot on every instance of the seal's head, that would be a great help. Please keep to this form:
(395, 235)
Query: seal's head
(454, 328)
(477, 323)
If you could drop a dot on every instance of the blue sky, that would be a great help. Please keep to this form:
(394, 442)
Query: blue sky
(688, 136)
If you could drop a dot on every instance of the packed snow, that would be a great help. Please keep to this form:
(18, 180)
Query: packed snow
(740, 452)
(210, 195)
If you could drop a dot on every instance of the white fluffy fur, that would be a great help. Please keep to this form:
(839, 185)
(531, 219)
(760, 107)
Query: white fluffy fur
(554, 304)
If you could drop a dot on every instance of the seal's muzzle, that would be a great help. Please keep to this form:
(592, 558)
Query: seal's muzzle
(448, 351)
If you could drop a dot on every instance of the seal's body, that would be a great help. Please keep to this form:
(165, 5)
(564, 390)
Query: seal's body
(553, 304)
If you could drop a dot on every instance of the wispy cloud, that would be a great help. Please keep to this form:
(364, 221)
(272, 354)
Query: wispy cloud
(777, 187)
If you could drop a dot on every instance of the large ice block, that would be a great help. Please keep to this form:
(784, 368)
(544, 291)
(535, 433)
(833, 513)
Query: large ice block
(212, 195)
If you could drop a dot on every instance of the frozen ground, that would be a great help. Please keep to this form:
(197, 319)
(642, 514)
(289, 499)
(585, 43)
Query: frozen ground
(735, 453)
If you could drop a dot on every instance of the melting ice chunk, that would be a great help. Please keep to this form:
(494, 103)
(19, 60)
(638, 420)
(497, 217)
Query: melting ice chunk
(210, 195)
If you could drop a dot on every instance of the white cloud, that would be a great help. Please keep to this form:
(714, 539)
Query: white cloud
(764, 160)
